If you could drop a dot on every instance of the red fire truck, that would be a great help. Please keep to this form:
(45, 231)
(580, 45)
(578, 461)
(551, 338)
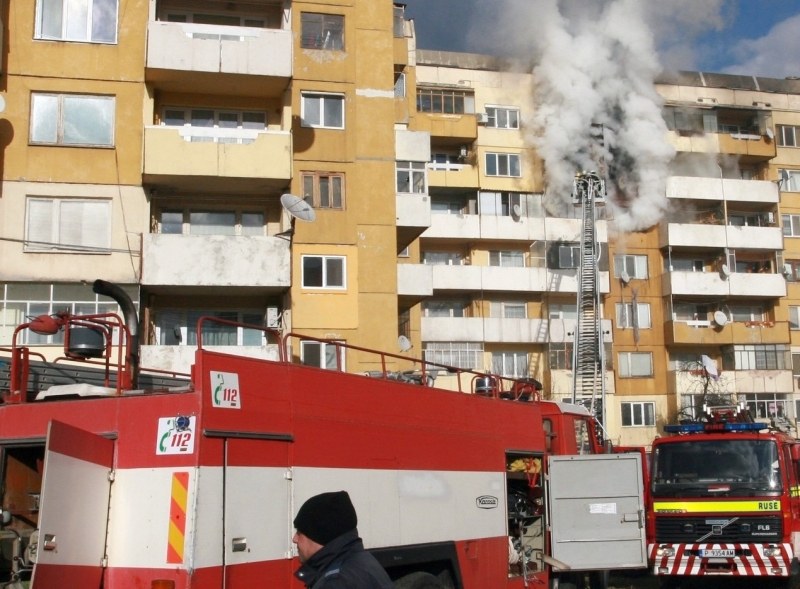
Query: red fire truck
(193, 484)
(724, 499)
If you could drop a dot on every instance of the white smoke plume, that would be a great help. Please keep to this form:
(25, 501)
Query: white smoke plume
(596, 65)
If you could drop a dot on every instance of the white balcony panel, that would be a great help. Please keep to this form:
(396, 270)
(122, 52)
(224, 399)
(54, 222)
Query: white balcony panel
(497, 227)
(500, 330)
(413, 210)
(753, 191)
(457, 278)
(744, 284)
(221, 261)
(454, 226)
(415, 280)
(715, 188)
(694, 188)
(567, 281)
(563, 330)
(561, 229)
(452, 329)
(213, 48)
(692, 235)
(694, 283)
(181, 358)
(502, 279)
(762, 238)
(739, 381)
(413, 146)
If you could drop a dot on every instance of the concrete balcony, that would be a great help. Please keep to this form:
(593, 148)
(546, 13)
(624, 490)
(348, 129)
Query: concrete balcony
(222, 159)
(498, 330)
(413, 217)
(566, 280)
(498, 228)
(454, 227)
(753, 147)
(561, 385)
(710, 334)
(453, 176)
(691, 235)
(706, 188)
(732, 381)
(461, 127)
(752, 238)
(181, 358)
(221, 261)
(714, 284)
(561, 229)
(262, 57)
(765, 286)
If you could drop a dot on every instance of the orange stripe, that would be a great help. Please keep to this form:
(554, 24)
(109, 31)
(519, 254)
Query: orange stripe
(177, 517)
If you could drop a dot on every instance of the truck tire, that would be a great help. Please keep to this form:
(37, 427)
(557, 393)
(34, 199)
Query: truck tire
(418, 580)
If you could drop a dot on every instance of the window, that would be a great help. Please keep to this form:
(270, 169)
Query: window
(322, 31)
(466, 355)
(569, 256)
(510, 364)
(93, 21)
(324, 111)
(791, 270)
(411, 177)
(744, 313)
(756, 357)
(789, 180)
(398, 21)
(446, 161)
(507, 259)
(766, 405)
(633, 315)
(788, 135)
(242, 19)
(323, 272)
(504, 204)
(635, 364)
(794, 317)
(634, 266)
(449, 205)
(444, 308)
(72, 119)
(503, 164)
(502, 117)
(21, 300)
(206, 125)
(400, 85)
(322, 355)
(562, 311)
(68, 224)
(178, 327)
(560, 356)
(445, 100)
(791, 225)
(211, 222)
(508, 309)
(322, 190)
(796, 365)
(638, 414)
(443, 258)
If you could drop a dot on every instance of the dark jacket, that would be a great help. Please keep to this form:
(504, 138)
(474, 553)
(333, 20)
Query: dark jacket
(343, 564)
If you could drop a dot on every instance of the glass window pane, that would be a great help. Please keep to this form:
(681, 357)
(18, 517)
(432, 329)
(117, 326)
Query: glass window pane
(172, 222)
(88, 120)
(312, 271)
(77, 17)
(312, 106)
(334, 111)
(252, 223)
(334, 270)
(44, 119)
(212, 223)
(104, 21)
(254, 120)
(51, 19)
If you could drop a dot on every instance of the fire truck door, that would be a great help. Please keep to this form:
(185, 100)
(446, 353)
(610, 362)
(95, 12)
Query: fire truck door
(74, 502)
(257, 522)
(596, 504)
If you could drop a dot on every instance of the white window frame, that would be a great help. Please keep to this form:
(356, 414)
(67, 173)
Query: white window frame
(511, 363)
(507, 258)
(238, 227)
(791, 225)
(503, 203)
(630, 364)
(326, 280)
(411, 175)
(792, 181)
(794, 317)
(787, 135)
(503, 165)
(626, 318)
(325, 102)
(51, 116)
(183, 328)
(94, 11)
(508, 309)
(639, 414)
(331, 31)
(327, 354)
(48, 221)
(244, 132)
(502, 117)
(634, 264)
(466, 355)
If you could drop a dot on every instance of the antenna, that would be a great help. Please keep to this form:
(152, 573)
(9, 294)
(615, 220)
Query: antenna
(404, 343)
(625, 277)
(297, 207)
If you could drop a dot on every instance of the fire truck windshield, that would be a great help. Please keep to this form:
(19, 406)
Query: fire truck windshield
(713, 468)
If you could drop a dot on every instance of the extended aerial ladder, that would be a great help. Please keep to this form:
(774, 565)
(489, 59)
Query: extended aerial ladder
(588, 353)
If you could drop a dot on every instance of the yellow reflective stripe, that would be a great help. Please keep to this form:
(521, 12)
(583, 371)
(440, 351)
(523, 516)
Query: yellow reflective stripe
(714, 506)
(794, 491)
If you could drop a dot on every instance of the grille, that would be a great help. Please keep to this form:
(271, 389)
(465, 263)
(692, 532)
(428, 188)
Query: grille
(689, 530)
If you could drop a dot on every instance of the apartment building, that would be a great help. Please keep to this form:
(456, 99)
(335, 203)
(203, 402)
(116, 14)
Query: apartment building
(149, 143)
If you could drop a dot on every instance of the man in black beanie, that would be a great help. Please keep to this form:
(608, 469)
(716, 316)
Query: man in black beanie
(331, 553)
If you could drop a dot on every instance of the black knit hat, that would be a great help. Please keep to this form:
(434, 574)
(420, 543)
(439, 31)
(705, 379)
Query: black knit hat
(326, 516)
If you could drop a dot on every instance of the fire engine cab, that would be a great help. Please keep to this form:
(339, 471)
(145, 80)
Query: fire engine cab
(133, 480)
(724, 500)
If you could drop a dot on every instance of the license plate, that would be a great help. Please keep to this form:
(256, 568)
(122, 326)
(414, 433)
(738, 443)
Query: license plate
(718, 553)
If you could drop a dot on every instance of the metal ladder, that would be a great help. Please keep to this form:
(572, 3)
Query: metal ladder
(588, 384)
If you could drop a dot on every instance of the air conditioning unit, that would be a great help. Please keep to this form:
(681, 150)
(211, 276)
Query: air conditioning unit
(272, 319)
(482, 118)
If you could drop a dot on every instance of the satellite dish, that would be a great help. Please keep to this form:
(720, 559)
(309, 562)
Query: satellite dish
(770, 133)
(2, 103)
(720, 318)
(404, 343)
(297, 207)
(516, 212)
(625, 277)
(724, 270)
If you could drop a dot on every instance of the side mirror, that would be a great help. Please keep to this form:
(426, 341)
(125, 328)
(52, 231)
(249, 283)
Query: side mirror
(5, 517)
(795, 452)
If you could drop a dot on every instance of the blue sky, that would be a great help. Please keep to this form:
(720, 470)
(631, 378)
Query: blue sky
(748, 37)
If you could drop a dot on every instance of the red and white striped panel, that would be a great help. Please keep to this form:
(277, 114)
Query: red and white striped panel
(686, 562)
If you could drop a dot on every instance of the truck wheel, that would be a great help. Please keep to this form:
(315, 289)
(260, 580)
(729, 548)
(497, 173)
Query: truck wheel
(668, 583)
(418, 580)
(599, 579)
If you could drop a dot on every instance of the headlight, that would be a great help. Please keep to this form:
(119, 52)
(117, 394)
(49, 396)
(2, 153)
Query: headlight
(665, 551)
(771, 551)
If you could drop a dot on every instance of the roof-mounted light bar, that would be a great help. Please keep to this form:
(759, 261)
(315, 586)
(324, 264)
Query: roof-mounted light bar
(694, 428)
